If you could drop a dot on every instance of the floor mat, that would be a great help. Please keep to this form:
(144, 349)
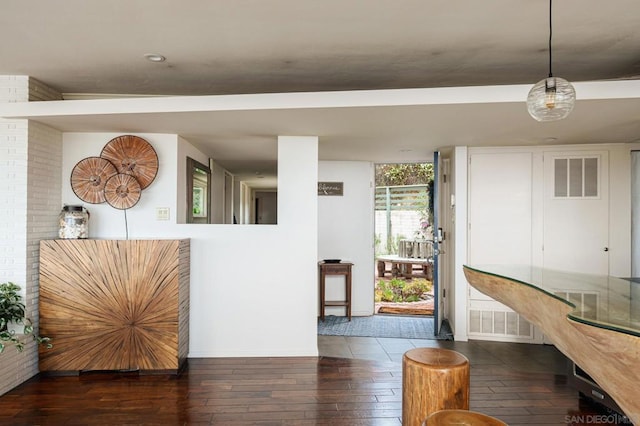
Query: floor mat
(395, 326)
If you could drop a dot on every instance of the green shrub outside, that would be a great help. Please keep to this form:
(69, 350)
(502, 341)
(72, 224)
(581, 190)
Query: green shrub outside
(399, 290)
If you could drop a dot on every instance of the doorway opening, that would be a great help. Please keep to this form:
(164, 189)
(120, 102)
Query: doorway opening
(404, 240)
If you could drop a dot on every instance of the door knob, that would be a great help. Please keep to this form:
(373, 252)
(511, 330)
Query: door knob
(606, 249)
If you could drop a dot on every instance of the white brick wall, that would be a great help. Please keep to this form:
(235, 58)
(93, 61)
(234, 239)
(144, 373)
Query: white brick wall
(14, 367)
(14, 88)
(13, 199)
(30, 194)
(43, 201)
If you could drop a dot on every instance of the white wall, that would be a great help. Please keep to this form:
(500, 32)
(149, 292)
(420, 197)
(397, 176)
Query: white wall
(253, 288)
(346, 231)
(458, 316)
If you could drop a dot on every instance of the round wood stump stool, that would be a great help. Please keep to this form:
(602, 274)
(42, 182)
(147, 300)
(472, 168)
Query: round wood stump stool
(461, 418)
(433, 379)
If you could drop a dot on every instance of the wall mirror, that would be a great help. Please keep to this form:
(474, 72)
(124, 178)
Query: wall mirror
(198, 192)
(231, 186)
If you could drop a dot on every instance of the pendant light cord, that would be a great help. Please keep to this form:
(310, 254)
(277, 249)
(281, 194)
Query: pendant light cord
(550, 35)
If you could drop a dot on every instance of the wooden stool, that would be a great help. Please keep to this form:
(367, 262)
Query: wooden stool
(461, 418)
(433, 379)
(335, 268)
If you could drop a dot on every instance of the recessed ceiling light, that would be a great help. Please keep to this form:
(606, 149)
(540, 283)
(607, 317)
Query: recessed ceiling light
(154, 57)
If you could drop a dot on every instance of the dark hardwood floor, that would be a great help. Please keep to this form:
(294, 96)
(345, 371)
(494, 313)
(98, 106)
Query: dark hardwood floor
(519, 384)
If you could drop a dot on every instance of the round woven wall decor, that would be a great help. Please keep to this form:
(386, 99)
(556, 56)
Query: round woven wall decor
(122, 191)
(134, 156)
(88, 178)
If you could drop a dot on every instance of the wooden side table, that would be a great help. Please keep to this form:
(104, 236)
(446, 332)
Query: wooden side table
(461, 417)
(341, 268)
(433, 379)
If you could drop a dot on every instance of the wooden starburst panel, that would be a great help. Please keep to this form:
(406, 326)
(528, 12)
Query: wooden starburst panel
(114, 304)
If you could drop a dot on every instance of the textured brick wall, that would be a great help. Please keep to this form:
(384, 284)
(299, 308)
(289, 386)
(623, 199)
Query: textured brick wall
(44, 183)
(30, 194)
(14, 367)
(13, 199)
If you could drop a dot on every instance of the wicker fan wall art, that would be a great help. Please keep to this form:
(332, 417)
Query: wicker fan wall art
(88, 178)
(127, 165)
(122, 191)
(132, 155)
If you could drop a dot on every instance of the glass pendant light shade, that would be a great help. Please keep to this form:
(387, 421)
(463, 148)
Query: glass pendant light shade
(551, 99)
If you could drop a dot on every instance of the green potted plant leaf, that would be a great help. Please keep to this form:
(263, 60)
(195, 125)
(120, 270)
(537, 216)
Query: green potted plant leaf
(12, 319)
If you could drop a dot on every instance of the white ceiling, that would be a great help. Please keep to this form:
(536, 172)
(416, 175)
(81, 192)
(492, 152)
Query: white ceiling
(88, 49)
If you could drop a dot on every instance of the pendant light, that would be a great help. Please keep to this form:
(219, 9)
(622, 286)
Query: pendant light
(552, 98)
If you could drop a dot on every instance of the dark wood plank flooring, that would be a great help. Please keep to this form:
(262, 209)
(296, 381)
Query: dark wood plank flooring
(520, 384)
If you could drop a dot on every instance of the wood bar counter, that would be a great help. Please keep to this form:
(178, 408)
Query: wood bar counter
(114, 305)
(602, 337)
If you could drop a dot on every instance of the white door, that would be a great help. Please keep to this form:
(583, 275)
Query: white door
(576, 211)
(500, 196)
(500, 232)
(438, 312)
(228, 198)
(445, 263)
(266, 207)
